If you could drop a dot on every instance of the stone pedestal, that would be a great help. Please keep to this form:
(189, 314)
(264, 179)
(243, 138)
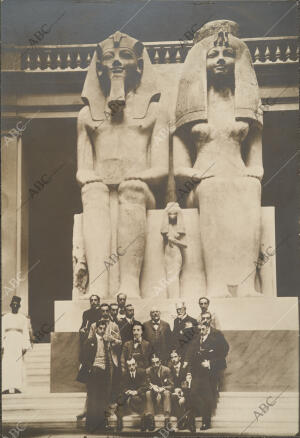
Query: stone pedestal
(262, 334)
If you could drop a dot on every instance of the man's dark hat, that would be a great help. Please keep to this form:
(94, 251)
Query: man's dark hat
(16, 299)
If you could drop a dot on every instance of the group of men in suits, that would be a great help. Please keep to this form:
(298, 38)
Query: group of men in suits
(149, 368)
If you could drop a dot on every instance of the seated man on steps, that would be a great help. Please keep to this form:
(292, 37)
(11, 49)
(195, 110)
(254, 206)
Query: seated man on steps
(178, 374)
(160, 387)
(132, 394)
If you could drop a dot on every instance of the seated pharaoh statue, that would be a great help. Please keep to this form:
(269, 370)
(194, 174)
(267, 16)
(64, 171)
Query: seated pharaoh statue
(218, 142)
(118, 163)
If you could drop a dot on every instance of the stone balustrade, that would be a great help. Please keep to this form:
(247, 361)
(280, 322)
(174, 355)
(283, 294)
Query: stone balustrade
(264, 51)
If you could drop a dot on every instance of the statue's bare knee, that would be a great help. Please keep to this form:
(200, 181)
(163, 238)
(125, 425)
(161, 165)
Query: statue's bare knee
(133, 191)
(93, 192)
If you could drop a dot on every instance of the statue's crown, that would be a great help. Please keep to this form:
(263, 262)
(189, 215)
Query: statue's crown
(220, 27)
(122, 40)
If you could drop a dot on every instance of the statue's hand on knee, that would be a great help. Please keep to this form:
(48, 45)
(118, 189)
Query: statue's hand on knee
(255, 172)
(87, 176)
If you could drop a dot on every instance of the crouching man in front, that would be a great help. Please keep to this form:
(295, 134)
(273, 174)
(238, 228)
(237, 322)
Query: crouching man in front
(132, 396)
(160, 387)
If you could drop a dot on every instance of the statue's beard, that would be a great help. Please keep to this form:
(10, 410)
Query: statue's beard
(117, 94)
(120, 85)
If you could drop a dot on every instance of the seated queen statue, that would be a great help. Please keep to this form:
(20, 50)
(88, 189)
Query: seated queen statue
(116, 156)
(218, 142)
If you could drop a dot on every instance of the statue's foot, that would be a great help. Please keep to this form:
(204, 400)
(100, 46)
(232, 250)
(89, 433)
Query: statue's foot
(249, 293)
(219, 294)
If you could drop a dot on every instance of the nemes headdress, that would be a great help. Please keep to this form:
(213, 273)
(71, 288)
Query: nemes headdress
(191, 102)
(147, 90)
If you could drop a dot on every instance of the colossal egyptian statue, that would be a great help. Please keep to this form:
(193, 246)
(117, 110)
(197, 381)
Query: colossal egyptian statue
(218, 142)
(118, 163)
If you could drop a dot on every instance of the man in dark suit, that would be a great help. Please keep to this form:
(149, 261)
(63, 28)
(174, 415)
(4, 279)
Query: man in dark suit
(132, 395)
(178, 374)
(159, 334)
(205, 358)
(113, 313)
(160, 387)
(184, 329)
(138, 348)
(89, 317)
(126, 323)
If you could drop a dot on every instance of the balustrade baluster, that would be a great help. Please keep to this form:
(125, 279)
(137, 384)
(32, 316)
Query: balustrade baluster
(178, 56)
(58, 62)
(28, 62)
(257, 56)
(38, 63)
(78, 62)
(156, 57)
(69, 62)
(167, 57)
(88, 59)
(277, 54)
(288, 54)
(267, 55)
(48, 62)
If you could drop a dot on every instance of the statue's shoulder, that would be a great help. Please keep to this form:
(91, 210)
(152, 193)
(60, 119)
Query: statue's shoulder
(158, 108)
(84, 115)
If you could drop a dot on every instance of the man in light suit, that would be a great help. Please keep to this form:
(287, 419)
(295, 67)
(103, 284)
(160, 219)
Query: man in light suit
(158, 333)
(113, 336)
(138, 348)
(160, 387)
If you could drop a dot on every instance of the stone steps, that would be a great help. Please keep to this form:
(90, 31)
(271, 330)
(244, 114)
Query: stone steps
(37, 368)
(58, 409)
(38, 408)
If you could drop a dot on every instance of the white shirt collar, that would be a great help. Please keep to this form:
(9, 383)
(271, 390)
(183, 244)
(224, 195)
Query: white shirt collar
(205, 337)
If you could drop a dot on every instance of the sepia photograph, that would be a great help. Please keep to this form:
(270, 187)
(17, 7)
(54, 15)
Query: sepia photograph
(150, 218)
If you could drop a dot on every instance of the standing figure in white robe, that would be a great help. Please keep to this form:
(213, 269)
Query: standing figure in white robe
(15, 343)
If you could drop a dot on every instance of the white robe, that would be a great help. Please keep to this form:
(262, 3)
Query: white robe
(15, 338)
